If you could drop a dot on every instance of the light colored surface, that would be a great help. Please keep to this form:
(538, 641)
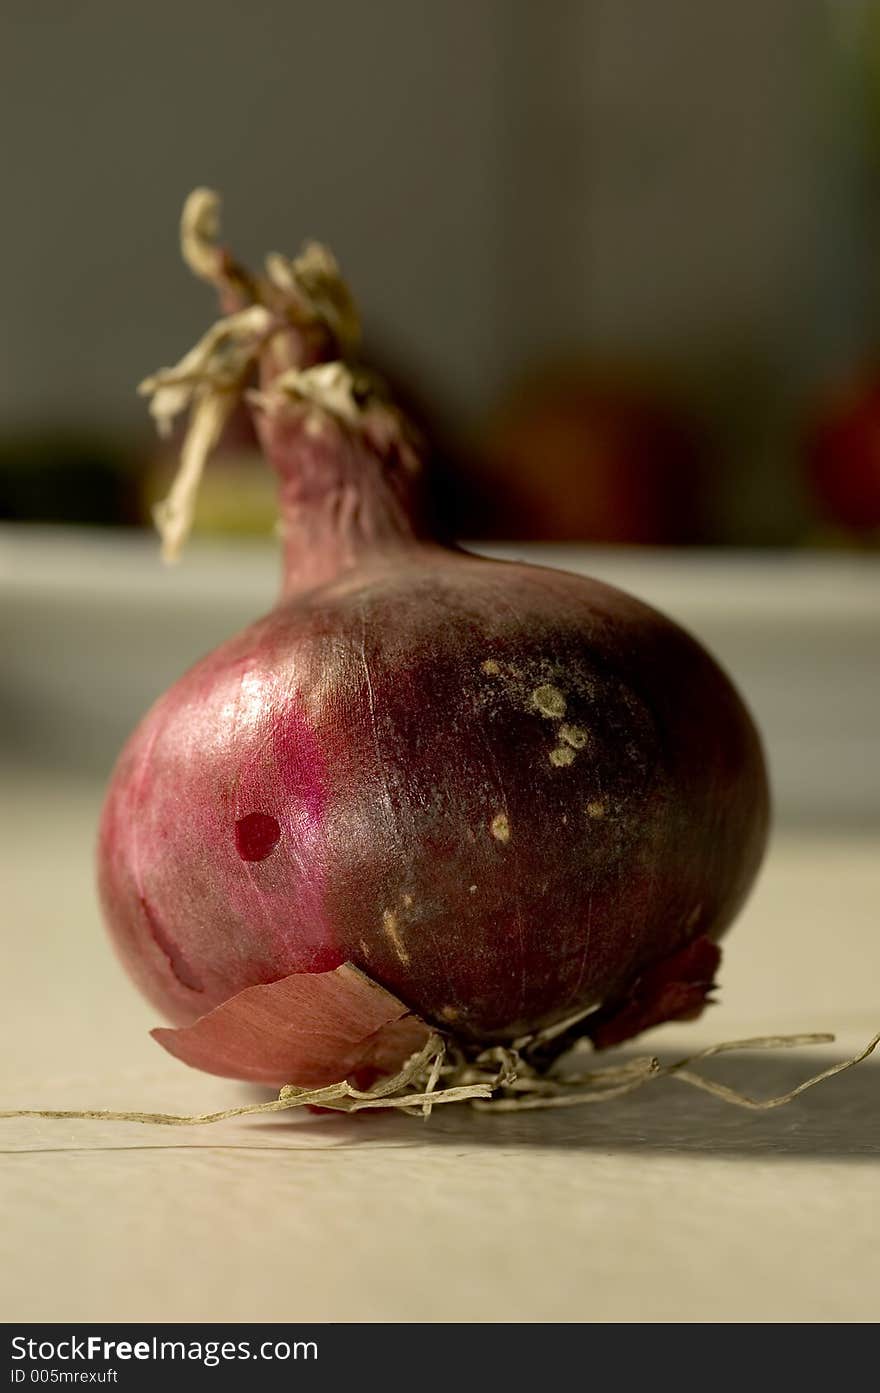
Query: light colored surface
(665, 1206)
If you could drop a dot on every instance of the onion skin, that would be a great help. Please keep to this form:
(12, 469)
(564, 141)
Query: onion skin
(315, 1027)
(504, 793)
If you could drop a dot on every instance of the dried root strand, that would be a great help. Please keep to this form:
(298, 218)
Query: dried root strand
(174, 515)
(681, 1072)
(615, 1081)
(333, 387)
(495, 1080)
(314, 281)
(199, 231)
(309, 288)
(404, 1091)
(209, 380)
(220, 361)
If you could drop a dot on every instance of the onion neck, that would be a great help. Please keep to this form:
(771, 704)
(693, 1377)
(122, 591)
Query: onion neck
(347, 493)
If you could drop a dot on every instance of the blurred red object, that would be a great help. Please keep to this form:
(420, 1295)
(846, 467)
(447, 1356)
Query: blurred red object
(843, 455)
(581, 456)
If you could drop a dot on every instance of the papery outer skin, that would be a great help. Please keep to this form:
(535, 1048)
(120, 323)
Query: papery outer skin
(315, 1028)
(674, 989)
(431, 832)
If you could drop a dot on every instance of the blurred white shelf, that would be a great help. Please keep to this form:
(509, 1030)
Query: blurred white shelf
(93, 627)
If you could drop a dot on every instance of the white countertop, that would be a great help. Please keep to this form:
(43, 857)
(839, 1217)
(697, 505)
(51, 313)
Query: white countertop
(667, 1205)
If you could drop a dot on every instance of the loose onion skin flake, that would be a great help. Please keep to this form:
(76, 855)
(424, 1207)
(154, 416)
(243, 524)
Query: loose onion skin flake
(506, 794)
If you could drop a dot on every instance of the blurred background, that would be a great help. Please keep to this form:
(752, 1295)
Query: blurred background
(624, 257)
(621, 259)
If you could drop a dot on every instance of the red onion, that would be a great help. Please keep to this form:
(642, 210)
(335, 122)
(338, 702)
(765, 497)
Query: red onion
(506, 794)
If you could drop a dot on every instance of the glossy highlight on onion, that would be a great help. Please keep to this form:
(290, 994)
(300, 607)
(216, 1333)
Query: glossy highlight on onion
(506, 795)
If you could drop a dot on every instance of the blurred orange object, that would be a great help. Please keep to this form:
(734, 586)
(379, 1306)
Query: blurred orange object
(583, 456)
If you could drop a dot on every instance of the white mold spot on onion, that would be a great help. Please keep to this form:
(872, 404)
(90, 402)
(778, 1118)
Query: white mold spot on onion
(472, 889)
(407, 901)
(500, 827)
(491, 668)
(389, 924)
(549, 701)
(596, 808)
(575, 736)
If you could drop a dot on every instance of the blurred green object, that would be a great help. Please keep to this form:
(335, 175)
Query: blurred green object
(68, 476)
